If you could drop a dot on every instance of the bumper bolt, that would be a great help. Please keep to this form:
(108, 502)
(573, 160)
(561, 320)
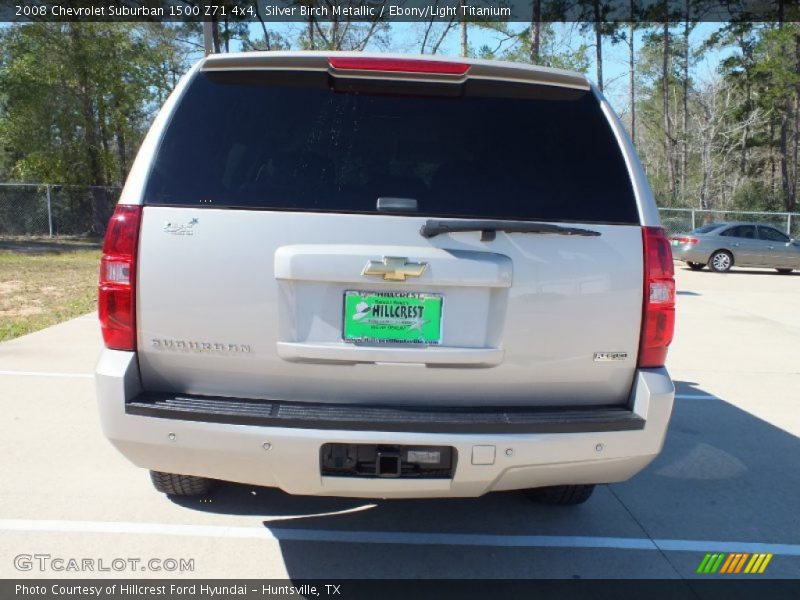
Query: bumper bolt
(171, 436)
(599, 447)
(266, 446)
(509, 452)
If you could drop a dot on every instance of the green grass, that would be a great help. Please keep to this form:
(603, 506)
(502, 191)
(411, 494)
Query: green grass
(40, 287)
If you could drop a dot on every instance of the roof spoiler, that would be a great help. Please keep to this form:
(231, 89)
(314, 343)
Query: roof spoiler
(322, 61)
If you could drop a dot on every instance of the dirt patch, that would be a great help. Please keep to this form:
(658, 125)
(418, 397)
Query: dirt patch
(39, 289)
(22, 311)
(9, 287)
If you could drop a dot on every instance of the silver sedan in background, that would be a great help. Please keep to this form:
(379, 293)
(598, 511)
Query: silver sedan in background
(724, 245)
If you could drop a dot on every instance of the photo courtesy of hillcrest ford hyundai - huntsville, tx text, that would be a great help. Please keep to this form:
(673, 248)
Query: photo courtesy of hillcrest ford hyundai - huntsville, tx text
(385, 276)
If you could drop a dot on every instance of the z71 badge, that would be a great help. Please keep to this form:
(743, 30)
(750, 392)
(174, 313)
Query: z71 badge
(609, 356)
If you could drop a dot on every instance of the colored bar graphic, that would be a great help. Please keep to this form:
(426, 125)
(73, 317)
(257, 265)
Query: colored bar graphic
(717, 563)
(765, 563)
(726, 568)
(740, 564)
(734, 563)
(710, 563)
(754, 562)
(701, 568)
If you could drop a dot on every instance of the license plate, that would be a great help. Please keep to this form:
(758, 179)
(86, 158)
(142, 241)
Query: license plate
(392, 317)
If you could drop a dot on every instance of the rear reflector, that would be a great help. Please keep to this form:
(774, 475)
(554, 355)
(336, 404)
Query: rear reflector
(117, 290)
(658, 314)
(402, 65)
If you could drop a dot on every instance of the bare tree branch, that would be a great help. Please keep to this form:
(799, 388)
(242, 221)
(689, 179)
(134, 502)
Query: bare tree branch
(450, 24)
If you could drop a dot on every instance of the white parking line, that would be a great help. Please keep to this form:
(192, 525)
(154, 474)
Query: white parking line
(695, 397)
(394, 537)
(47, 374)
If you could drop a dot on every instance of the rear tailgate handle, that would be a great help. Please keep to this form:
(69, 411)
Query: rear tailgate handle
(345, 264)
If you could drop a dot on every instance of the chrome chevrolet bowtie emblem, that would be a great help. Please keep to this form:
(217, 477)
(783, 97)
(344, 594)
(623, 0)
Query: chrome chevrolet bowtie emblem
(394, 268)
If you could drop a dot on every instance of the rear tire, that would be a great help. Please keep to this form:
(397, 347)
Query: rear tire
(784, 271)
(721, 261)
(180, 485)
(694, 266)
(561, 495)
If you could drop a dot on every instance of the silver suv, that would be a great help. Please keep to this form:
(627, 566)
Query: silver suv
(386, 276)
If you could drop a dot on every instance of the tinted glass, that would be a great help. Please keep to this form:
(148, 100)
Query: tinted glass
(307, 142)
(772, 235)
(741, 231)
(707, 228)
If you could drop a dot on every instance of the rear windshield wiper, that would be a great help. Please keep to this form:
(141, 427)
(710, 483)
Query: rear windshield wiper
(489, 228)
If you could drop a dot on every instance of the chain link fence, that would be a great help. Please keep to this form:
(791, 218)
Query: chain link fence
(28, 210)
(682, 220)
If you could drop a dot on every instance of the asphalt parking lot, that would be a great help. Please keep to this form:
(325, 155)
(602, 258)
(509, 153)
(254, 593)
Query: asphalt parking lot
(727, 481)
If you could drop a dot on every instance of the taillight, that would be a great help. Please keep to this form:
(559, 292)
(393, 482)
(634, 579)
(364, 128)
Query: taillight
(117, 292)
(403, 65)
(658, 315)
(685, 240)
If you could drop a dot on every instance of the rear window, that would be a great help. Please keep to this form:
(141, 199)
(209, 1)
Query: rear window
(742, 231)
(309, 142)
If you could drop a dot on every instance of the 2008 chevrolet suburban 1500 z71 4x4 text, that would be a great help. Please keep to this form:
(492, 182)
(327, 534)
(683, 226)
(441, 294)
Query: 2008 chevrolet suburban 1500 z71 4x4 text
(382, 276)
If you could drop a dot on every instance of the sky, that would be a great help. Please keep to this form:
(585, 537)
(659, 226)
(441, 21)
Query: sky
(615, 56)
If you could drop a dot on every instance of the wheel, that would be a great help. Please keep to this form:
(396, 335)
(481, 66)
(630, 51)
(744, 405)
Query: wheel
(784, 271)
(561, 495)
(695, 266)
(721, 261)
(180, 485)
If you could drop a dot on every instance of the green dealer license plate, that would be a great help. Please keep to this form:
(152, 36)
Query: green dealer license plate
(392, 317)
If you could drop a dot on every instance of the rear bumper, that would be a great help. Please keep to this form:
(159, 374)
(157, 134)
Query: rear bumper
(236, 452)
(393, 419)
(689, 254)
